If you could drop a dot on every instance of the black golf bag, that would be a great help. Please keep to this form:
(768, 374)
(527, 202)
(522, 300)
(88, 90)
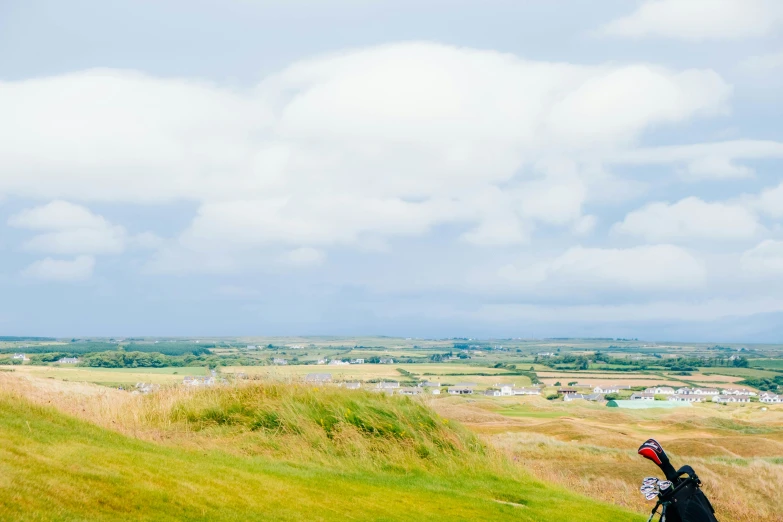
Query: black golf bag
(683, 501)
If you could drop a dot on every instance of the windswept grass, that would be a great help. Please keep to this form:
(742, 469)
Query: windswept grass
(257, 452)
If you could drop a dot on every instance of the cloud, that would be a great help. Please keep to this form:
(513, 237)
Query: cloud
(305, 257)
(699, 20)
(764, 259)
(690, 218)
(73, 230)
(763, 63)
(769, 201)
(345, 149)
(703, 160)
(59, 270)
(650, 268)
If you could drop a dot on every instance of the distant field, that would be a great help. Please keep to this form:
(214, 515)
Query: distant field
(446, 373)
(110, 375)
(740, 372)
(769, 364)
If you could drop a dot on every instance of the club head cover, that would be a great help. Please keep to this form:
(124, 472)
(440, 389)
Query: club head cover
(653, 451)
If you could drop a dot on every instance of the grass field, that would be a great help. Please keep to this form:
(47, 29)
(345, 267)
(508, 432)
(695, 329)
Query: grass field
(767, 364)
(739, 372)
(445, 373)
(113, 376)
(195, 456)
(592, 449)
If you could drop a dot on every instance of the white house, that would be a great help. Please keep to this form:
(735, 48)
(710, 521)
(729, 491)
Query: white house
(69, 360)
(337, 362)
(527, 391)
(643, 397)
(456, 390)
(771, 398)
(681, 397)
(357, 361)
(387, 385)
(740, 391)
(568, 397)
(660, 390)
(20, 357)
(606, 389)
(730, 398)
(697, 391)
(491, 392)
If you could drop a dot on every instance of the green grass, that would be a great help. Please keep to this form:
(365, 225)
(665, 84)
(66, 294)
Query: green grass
(738, 372)
(767, 364)
(55, 467)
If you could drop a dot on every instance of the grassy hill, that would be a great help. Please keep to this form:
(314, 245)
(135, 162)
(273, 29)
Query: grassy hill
(264, 452)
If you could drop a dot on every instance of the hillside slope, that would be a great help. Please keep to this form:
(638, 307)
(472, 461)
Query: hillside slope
(56, 467)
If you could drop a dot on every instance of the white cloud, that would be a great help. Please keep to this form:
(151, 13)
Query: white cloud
(305, 256)
(763, 63)
(770, 201)
(73, 230)
(764, 259)
(704, 160)
(646, 268)
(59, 270)
(690, 218)
(350, 148)
(699, 20)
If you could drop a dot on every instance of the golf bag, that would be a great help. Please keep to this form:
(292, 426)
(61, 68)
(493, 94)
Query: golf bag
(680, 496)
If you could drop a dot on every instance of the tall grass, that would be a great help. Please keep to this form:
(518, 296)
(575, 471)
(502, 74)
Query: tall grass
(256, 451)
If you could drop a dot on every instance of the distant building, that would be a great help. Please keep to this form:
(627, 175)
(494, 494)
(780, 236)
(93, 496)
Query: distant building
(69, 360)
(681, 397)
(337, 362)
(526, 391)
(429, 384)
(740, 391)
(409, 390)
(568, 397)
(730, 398)
(545, 354)
(357, 361)
(318, 378)
(566, 391)
(387, 385)
(606, 389)
(643, 397)
(492, 392)
(457, 390)
(20, 357)
(279, 362)
(387, 361)
(697, 391)
(594, 397)
(771, 398)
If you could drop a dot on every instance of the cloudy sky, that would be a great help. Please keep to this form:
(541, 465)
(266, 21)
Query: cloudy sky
(431, 168)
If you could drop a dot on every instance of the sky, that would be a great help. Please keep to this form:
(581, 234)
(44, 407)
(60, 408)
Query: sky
(525, 168)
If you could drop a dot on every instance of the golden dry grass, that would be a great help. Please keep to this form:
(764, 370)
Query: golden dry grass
(592, 449)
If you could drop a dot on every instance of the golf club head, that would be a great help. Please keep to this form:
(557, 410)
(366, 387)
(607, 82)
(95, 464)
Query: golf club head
(664, 485)
(651, 496)
(653, 451)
